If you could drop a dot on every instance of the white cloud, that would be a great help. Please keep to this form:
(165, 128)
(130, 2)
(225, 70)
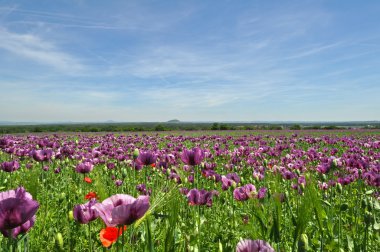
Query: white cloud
(36, 49)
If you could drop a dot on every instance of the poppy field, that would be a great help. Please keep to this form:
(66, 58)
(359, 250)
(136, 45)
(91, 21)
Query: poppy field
(244, 191)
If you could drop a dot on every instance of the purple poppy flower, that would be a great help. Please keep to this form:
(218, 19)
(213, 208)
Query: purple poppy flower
(146, 158)
(10, 166)
(143, 190)
(17, 211)
(20, 229)
(192, 157)
(262, 192)
(84, 167)
(197, 197)
(42, 155)
(122, 209)
(118, 182)
(84, 213)
(253, 246)
(245, 192)
(110, 166)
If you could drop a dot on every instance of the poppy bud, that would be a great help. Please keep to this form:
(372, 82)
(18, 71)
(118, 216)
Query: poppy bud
(136, 153)
(339, 187)
(324, 177)
(303, 243)
(265, 163)
(124, 172)
(59, 240)
(71, 216)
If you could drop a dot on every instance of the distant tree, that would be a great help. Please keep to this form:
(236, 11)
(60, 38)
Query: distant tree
(159, 127)
(223, 127)
(295, 127)
(215, 126)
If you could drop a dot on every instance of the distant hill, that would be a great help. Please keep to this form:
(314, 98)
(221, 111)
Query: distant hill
(174, 121)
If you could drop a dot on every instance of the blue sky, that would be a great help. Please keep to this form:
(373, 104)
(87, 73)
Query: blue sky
(191, 60)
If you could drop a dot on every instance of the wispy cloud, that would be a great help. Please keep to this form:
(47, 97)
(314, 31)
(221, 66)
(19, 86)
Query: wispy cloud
(38, 50)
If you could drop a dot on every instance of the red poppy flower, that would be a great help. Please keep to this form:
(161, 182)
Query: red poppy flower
(109, 235)
(87, 180)
(91, 195)
(153, 165)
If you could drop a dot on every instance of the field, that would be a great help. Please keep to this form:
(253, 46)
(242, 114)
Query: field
(197, 191)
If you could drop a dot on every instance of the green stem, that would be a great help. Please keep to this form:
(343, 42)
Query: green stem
(89, 235)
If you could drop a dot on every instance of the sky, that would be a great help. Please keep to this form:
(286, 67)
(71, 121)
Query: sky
(196, 60)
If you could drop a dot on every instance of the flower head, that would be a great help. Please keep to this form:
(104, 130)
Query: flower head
(84, 167)
(84, 213)
(253, 246)
(91, 195)
(146, 158)
(42, 155)
(10, 166)
(109, 235)
(192, 157)
(122, 209)
(17, 212)
(200, 197)
(245, 192)
(87, 180)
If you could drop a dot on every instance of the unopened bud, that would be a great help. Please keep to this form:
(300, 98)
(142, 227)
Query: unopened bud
(59, 240)
(136, 153)
(71, 216)
(339, 187)
(303, 243)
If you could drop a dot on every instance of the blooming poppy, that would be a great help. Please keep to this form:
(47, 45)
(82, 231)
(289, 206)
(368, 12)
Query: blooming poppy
(87, 180)
(10, 166)
(91, 195)
(84, 213)
(146, 158)
(197, 197)
(122, 209)
(84, 167)
(17, 212)
(245, 192)
(192, 157)
(253, 246)
(41, 155)
(109, 235)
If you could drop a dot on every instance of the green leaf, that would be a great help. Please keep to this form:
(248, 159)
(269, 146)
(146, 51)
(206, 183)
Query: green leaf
(350, 243)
